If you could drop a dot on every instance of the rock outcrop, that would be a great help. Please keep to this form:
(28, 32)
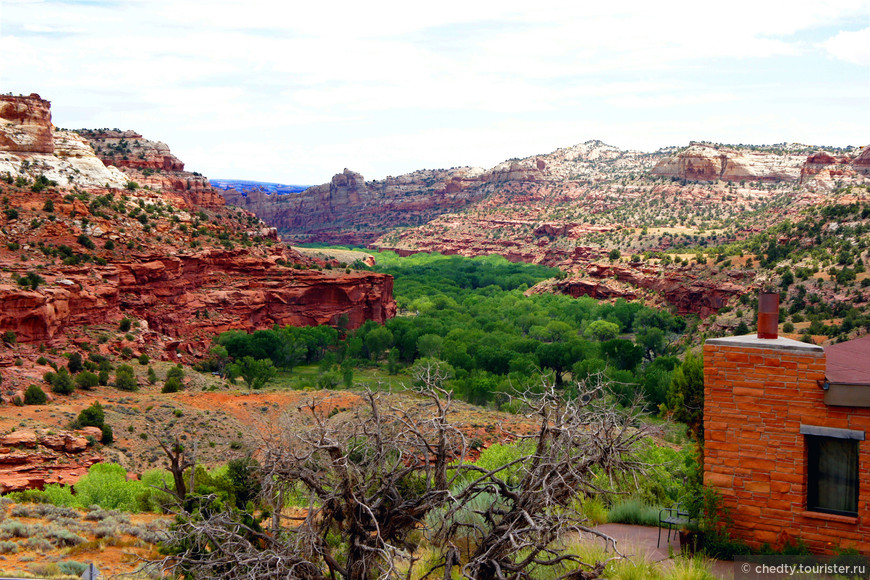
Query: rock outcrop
(32, 459)
(30, 146)
(195, 296)
(703, 162)
(25, 125)
(862, 161)
(349, 209)
(152, 164)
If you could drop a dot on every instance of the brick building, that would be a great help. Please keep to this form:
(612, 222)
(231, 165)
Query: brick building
(785, 426)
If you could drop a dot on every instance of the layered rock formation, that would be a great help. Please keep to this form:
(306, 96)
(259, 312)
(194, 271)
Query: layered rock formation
(167, 253)
(193, 297)
(32, 459)
(703, 162)
(350, 210)
(30, 147)
(152, 164)
(25, 125)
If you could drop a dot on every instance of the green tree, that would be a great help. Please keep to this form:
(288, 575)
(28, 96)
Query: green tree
(430, 345)
(602, 330)
(686, 395)
(255, 372)
(378, 340)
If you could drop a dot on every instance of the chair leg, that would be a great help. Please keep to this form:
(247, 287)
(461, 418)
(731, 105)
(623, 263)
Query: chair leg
(658, 543)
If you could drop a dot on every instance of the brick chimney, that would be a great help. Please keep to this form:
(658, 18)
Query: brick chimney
(768, 315)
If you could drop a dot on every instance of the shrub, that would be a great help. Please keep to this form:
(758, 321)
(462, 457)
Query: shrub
(176, 372)
(8, 547)
(31, 279)
(172, 385)
(103, 377)
(87, 380)
(85, 241)
(34, 396)
(9, 337)
(125, 324)
(93, 416)
(61, 382)
(75, 363)
(143, 359)
(106, 485)
(108, 435)
(109, 245)
(125, 378)
(152, 376)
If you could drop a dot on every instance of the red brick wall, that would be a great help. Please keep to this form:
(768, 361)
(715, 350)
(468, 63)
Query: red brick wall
(755, 399)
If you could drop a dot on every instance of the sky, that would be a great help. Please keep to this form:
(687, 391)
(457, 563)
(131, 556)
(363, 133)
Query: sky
(294, 92)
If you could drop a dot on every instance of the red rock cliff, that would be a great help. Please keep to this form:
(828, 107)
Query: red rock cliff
(25, 125)
(196, 296)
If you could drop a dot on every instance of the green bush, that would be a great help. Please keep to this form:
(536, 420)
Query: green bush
(125, 324)
(34, 396)
(172, 385)
(93, 416)
(152, 376)
(75, 363)
(61, 382)
(143, 359)
(106, 485)
(125, 378)
(108, 435)
(87, 380)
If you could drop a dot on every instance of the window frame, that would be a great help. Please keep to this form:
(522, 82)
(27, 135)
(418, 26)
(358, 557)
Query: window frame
(813, 437)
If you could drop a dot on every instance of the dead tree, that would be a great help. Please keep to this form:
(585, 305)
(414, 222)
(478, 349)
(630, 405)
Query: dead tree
(372, 479)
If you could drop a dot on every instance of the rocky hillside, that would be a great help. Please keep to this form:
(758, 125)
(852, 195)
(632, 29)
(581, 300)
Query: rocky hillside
(85, 245)
(151, 164)
(573, 208)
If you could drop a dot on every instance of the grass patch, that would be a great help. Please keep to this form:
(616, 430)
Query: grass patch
(633, 511)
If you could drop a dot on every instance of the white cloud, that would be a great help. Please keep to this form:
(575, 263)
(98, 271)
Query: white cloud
(384, 85)
(850, 46)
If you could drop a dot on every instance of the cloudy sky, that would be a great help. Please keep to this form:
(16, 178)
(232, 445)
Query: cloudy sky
(296, 91)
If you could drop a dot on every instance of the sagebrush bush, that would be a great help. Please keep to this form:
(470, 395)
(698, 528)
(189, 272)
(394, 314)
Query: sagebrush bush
(633, 511)
(7, 547)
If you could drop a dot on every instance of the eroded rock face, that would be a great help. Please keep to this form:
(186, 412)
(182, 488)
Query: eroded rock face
(152, 164)
(702, 162)
(25, 125)
(197, 296)
(30, 146)
(32, 459)
(349, 209)
(862, 162)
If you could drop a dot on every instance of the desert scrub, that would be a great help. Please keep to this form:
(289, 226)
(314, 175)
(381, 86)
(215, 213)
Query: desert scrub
(61, 537)
(7, 547)
(14, 529)
(38, 544)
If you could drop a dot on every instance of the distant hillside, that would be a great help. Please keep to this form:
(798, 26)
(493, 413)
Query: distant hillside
(244, 186)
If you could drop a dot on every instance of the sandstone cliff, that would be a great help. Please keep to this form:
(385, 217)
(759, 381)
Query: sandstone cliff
(30, 146)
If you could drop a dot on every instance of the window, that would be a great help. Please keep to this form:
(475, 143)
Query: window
(832, 471)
